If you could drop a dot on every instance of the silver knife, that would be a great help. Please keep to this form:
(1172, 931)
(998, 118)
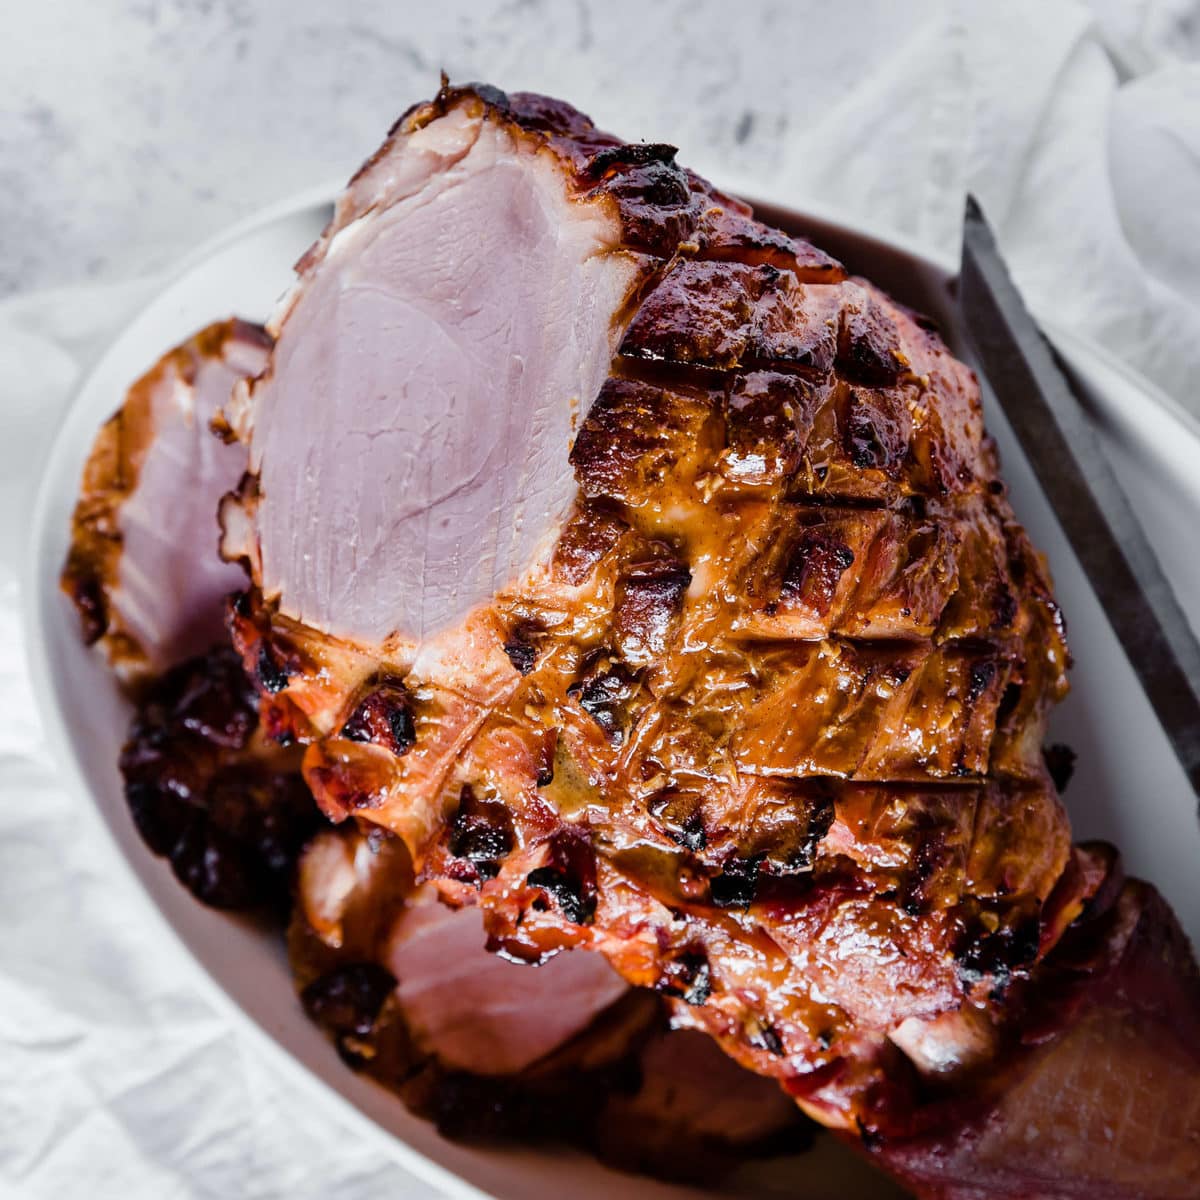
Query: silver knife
(1093, 511)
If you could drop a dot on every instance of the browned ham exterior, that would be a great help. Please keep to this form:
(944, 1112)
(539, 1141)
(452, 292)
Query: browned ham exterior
(750, 699)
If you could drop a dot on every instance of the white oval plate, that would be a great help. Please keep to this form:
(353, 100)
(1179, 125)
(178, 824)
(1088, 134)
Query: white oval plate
(1128, 787)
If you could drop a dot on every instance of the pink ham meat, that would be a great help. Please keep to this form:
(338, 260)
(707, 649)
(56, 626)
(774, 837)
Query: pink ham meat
(443, 338)
(143, 569)
(477, 1011)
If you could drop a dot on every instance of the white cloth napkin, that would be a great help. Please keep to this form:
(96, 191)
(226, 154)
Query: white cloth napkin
(1078, 128)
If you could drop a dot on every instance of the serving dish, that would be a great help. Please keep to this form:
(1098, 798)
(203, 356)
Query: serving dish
(1127, 788)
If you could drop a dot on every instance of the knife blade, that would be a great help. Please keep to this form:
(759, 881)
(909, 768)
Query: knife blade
(1062, 447)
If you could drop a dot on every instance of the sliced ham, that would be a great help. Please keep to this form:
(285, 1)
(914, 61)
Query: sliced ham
(477, 1012)
(143, 568)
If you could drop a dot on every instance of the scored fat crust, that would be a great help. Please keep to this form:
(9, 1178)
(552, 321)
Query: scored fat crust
(765, 728)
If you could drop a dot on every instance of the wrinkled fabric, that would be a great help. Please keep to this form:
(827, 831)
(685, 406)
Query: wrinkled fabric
(1078, 127)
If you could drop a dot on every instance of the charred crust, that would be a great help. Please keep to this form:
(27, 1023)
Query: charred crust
(481, 832)
(872, 1140)
(605, 689)
(649, 600)
(869, 347)
(980, 677)
(766, 1037)
(688, 976)
(521, 646)
(384, 715)
(679, 816)
(815, 568)
(272, 675)
(522, 655)
(634, 437)
(591, 533)
(569, 876)
(547, 747)
(997, 955)
(631, 154)
(874, 438)
(737, 884)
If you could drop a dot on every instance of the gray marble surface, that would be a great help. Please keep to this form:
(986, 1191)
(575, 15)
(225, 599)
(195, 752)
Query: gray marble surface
(132, 129)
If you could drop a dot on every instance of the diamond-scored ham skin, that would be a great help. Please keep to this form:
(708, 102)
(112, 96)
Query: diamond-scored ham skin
(755, 706)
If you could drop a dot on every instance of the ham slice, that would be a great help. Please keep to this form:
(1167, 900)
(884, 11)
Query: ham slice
(475, 1011)
(143, 568)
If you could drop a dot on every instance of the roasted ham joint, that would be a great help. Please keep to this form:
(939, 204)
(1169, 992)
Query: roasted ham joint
(618, 586)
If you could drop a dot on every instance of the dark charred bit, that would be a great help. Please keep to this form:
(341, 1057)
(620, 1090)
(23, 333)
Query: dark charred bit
(681, 819)
(657, 206)
(768, 421)
(384, 716)
(633, 154)
(481, 832)
(802, 852)
(871, 439)
(766, 1038)
(1009, 699)
(997, 955)
(546, 750)
(569, 877)
(604, 689)
(87, 594)
(1004, 607)
(281, 720)
(522, 654)
(649, 600)
(869, 347)
(737, 885)
(931, 857)
(700, 313)
(272, 675)
(346, 1003)
(635, 434)
(687, 976)
(872, 1139)
(815, 568)
(521, 645)
(980, 678)
(1060, 762)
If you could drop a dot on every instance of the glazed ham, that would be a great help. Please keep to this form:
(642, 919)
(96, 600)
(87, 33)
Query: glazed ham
(751, 699)
(143, 569)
